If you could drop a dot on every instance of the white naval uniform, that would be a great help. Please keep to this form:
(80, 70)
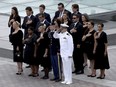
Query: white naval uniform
(66, 50)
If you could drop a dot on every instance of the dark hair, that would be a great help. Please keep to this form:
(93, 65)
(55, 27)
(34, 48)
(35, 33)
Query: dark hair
(41, 14)
(86, 16)
(31, 28)
(76, 6)
(77, 15)
(58, 22)
(102, 25)
(65, 12)
(28, 8)
(61, 4)
(16, 11)
(43, 6)
(92, 23)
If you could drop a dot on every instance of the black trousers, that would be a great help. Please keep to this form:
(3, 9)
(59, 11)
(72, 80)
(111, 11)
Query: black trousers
(78, 59)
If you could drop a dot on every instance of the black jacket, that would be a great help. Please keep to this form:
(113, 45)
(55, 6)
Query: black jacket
(58, 12)
(26, 26)
(47, 17)
(77, 37)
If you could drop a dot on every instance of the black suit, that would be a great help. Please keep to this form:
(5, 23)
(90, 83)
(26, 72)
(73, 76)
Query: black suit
(57, 13)
(77, 39)
(47, 17)
(39, 23)
(26, 26)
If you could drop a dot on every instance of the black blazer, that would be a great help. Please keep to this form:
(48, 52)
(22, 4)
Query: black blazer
(77, 37)
(26, 26)
(57, 15)
(47, 17)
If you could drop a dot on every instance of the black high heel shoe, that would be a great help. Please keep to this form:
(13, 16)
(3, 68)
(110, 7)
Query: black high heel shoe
(36, 75)
(18, 73)
(91, 75)
(101, 77)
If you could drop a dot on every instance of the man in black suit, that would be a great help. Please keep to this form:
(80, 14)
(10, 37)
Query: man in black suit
(75, 10)
(76, 31)
(29, 20)
(42, 11)
(59, 13)
(42, 20)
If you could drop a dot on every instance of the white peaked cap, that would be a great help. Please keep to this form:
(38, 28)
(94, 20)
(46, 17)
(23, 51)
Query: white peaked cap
(64, 25)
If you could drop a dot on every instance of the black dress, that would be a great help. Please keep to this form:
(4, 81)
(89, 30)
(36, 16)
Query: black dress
(29, 50)
(84, 32)
(16, 18)
(16, 40)
(101, 61)
(42, 46)
(89, 45)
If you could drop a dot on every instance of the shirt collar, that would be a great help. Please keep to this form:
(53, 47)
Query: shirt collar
(43, 21)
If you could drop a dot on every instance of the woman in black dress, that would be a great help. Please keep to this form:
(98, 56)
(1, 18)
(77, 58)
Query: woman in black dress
(16, 38)
(88, 38)
(30, 51)
(42, 50)
(101, 55)
(85, 20)
(13, 17)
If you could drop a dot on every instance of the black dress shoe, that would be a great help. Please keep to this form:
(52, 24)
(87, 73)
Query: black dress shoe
(31, 75)
(79, 72)
(45, 77)
(74, 72)
(58, 80)
(52, 79)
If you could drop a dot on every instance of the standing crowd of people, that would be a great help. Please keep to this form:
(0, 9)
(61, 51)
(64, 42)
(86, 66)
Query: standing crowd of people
(53, 44)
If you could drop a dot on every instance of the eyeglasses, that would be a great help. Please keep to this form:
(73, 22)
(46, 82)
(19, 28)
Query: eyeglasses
(73, 18)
